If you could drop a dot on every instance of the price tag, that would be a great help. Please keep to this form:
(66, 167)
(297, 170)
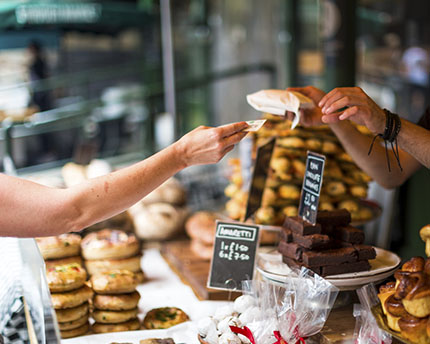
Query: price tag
(234, 255)
(311, 188)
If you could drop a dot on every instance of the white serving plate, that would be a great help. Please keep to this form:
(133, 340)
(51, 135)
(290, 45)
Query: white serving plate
(272, 268)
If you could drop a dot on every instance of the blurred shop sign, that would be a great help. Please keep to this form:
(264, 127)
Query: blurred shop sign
(57, 13)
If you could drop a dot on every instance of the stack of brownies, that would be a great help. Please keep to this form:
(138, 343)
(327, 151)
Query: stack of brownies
(330, 247)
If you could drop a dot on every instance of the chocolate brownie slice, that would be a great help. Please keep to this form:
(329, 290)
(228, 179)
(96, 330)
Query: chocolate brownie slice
(290, 250)
(297, 265)
(286, 235)
(330, 257)
(349, 234)
(329, 270)
(300, 226)
(365, 252)
(341, 217)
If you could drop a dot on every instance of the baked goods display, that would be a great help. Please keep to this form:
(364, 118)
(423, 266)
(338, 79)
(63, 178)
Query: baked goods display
(162, 213)
(115, 302)
(157, 341)
(112, 249)
(58, 247)
(164, 317)
(344, 184)
(200, 227)
(70, 297)
(406, 303)
(330, 247)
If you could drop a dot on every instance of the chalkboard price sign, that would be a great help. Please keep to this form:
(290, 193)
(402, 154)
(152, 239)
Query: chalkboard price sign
(311, 188)
(234, 255)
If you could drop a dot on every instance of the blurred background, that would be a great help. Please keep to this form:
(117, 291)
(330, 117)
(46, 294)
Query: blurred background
(129, 77)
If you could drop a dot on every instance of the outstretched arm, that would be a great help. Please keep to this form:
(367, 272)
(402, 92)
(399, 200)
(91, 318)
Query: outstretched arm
(28, 209)
(355, 143)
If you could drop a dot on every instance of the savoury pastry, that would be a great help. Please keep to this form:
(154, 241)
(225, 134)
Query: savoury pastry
(114, 282)
(130, 325)
(116, 302)
(65, 277)
(140, 276)
(109, 243)
(72, 298)
(63, 261)
(100, 265)
(114, 317)
(61, 246)
(165, 317)
(70, 325)
(79, 331)
(157, 341)
(71, 314)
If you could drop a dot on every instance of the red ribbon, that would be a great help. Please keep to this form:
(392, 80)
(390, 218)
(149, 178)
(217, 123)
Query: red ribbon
(245, 331)
(280, 340)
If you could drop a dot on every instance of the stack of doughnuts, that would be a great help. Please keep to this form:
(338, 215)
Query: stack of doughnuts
(70, 298)
(406, 303)
(60, 250)
(115, 302)
(112, 249)
(200, 227)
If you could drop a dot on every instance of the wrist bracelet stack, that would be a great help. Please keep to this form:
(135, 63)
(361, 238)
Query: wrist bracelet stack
(391, 131)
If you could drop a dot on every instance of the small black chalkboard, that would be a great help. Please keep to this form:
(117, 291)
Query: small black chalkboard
(234, 255)
(311, 188)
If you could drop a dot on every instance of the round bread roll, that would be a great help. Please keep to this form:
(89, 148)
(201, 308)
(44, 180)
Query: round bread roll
(130, 325)
(73, 174)
(201, 250)
(72, 314)
(64, 245)
(119, 302)
(114, 317)
(72, 298)
(109, 243)
(114, 282)
(101, 265)
(65, 277)
(70, 325)
(79, 331)
(201, 226)
(165, 317)
(63, 261)
(158, 221)
(171, 191)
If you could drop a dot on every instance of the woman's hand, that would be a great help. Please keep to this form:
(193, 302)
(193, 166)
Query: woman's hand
(360, 108)
(309, 117)
(207, 145)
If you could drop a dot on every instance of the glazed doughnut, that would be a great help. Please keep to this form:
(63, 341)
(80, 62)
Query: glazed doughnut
(116, 302)
(100, 265)
(109, 243)
(201, 226)
(114, 282)
(72, 298)
(335, 188)
(165, 317)
(130, 325)
(290, 210)
(289, 192)
(70, 325)
(64, 245)
(359, 191)
(71, 314)
(114, 317)
(65, 277)
(63, 261)
(350, 205)
(201, 250)
(79, 331)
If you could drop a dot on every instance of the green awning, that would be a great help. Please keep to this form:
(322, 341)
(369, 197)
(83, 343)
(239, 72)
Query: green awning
(70, 14)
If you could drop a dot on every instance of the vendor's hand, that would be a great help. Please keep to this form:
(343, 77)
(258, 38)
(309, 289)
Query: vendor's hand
(207, 145)
(309, 117)
(360, 108)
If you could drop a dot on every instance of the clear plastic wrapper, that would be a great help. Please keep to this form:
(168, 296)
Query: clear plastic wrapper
(367, 330)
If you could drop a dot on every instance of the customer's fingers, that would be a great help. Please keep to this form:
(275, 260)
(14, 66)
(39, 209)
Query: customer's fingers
(230, 129)
(235, 138)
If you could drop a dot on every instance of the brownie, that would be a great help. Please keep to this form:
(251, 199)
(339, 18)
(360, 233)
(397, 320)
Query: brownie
(341, 217)
(365, 252)
(338, 269)
(286, 235)
(349, 234)
(297, 265)
(330, 257)
(290, 250)
(313, 241)
(300, 226)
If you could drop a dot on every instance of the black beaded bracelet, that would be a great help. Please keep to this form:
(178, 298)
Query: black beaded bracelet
(392, 128)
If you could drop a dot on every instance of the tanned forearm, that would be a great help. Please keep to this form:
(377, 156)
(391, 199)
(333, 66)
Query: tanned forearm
(357, 145)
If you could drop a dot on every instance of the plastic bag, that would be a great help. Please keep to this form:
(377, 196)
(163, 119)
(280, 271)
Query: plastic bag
(366, 329)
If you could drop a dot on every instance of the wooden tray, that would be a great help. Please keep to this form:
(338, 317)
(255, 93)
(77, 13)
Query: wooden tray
(193, 270)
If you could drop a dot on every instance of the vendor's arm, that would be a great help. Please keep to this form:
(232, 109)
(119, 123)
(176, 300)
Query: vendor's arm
(28, 209)
(355, 143)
